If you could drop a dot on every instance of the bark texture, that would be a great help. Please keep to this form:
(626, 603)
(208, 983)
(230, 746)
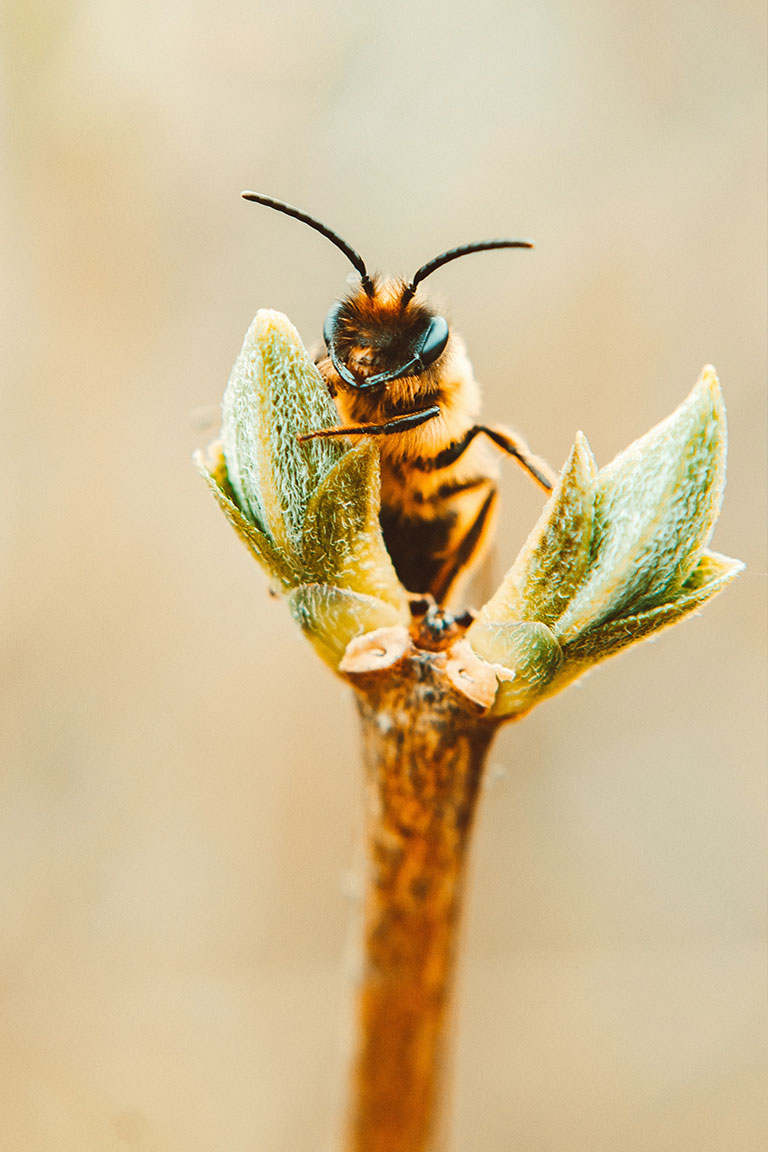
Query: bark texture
(424, 747)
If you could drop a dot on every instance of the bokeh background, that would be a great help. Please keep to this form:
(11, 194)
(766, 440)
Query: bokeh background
(179, 820)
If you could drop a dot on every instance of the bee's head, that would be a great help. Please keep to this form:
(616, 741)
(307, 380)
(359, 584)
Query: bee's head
(379, 333)
(377, 336)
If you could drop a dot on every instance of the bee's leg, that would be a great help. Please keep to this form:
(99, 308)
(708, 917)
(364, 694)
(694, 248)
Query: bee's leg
(538, 468)
(470, 545)
(503, 439)
(386, 428)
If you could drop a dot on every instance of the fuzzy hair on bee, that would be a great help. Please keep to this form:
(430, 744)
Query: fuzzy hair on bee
(395, 371)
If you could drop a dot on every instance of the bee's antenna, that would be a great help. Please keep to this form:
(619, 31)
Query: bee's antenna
(354, 257)
(453, 254)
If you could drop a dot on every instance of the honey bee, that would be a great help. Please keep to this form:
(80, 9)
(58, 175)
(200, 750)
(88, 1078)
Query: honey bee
(395, 371)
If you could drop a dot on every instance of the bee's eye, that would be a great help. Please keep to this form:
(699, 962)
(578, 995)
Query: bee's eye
(434, 340)
(330, 325)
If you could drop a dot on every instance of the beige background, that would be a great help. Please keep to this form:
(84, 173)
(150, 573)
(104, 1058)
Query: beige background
(180, 788)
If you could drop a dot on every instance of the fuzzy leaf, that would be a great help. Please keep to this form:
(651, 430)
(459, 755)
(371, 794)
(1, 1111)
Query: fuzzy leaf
(331, 617)
(525, 657)
(342, 540)
(614, 558)
(709, 577)
(655, 508)
(277, 565)
(553, 560)
(275, 393)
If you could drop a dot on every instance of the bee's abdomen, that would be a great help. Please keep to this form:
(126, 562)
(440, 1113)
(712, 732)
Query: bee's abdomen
(433, 537)
(418, 547)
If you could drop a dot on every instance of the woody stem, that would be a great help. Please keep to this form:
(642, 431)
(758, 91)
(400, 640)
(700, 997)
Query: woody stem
(424, 756)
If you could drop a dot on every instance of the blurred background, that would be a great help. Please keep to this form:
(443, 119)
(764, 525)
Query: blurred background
(181, 792)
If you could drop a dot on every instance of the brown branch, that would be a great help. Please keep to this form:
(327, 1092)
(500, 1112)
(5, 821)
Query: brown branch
(424, 747)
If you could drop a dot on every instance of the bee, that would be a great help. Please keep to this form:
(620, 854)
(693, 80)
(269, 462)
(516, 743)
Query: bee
(396, 371)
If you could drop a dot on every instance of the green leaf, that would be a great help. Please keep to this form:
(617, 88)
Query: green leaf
(276, 563)
(275, 394)
(709, 577)
(525, 656)
(655, 508)
(342, 541)
(331, 617)
(552, 563)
